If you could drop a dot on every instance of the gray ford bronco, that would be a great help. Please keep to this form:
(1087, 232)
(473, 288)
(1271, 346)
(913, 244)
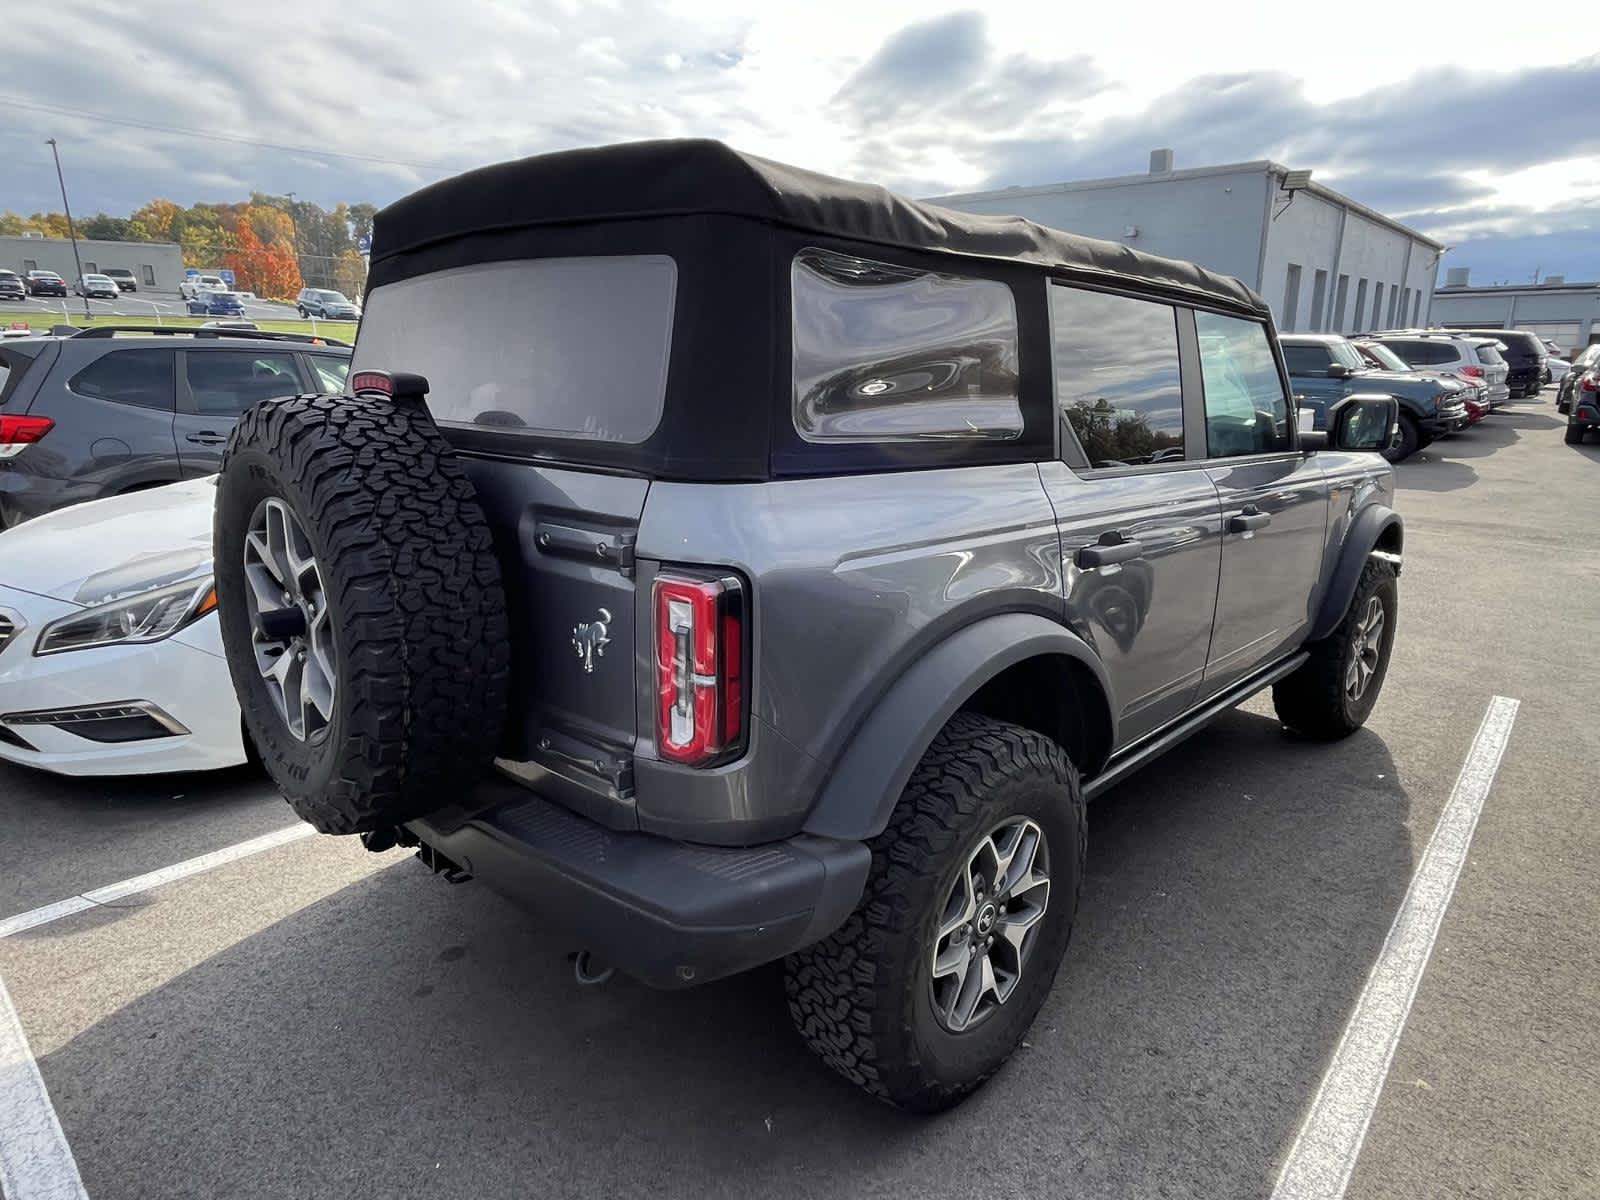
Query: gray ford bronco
(736, 564)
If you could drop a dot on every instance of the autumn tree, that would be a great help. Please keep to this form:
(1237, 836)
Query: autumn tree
(350, 273)
(266, 268)
(158, 220)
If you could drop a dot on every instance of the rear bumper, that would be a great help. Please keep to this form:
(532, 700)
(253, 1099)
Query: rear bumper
(668, 913)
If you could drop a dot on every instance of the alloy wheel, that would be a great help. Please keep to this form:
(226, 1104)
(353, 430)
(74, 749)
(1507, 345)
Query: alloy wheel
(989, 923)
(1368, 647)
(291, 630)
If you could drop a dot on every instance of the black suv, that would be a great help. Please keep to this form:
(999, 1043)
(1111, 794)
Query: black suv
(117, 409)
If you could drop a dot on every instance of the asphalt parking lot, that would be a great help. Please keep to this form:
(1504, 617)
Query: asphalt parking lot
(313, 1020)
(141, 306)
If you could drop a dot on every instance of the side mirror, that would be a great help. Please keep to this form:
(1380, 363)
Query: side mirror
(1339, 371)
(1363, 422)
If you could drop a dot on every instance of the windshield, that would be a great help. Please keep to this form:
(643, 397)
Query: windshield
(1347, 355)
(569, 347)
(1383, 356)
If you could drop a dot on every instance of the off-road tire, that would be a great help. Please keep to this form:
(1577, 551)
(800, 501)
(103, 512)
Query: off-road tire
(861, 998)
(1574, 433)
(1410, 441)
(416, 602)
(1313, 701)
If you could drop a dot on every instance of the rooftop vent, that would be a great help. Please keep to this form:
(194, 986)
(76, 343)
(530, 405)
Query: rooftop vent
(1458, 277)
(1161, 162)
(1554, 280)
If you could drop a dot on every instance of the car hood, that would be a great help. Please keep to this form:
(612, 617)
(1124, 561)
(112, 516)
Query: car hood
(92, 552)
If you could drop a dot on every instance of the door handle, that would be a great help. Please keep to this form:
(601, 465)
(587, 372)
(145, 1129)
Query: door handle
(207, 439)
(1105, 554)
(1248, 520)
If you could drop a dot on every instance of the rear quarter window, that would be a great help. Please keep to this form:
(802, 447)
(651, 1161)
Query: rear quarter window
(885, 353)
(140, 377)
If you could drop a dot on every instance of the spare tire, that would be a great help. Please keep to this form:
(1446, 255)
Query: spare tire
(362, 609)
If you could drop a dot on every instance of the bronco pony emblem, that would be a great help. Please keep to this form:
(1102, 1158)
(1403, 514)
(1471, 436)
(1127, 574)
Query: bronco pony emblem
(589, 640)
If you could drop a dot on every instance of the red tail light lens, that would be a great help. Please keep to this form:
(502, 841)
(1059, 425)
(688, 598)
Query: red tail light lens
(17, 432)
(371, 381)
(1588, 383)
(1474, 372)
(699, 667)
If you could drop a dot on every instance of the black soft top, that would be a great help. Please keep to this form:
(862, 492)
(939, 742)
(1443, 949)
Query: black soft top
(694, 177)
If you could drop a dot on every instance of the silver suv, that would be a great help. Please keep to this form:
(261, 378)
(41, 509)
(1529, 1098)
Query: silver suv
(734, 564)
(1473, 359)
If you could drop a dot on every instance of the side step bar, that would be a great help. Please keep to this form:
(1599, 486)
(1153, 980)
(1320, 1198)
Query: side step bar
(1129, 760)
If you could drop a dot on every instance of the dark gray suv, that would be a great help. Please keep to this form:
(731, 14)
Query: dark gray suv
(116, 409)
(733, 564)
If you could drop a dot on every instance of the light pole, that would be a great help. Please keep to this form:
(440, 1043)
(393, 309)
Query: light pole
(71, 232)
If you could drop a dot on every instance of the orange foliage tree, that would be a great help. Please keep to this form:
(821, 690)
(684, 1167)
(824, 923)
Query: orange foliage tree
(266, 268)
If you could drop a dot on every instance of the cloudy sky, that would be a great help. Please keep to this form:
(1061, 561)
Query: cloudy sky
(1480, 128)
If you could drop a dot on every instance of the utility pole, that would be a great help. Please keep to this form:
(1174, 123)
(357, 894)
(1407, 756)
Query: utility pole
(71, 232)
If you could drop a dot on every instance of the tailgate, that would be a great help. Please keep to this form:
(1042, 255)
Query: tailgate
(565, 540)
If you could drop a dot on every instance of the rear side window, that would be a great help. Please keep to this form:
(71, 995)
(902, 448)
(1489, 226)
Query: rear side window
(13, 366)
(1247, 411)
(226, 382)
(885, 353)
(141, 377)
(568, 347)
(1490, 357)
(1117, 376)
(1307, 360)
(331, 373)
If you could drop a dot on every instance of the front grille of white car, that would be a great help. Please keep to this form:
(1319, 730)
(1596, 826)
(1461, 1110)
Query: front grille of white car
(10, 626)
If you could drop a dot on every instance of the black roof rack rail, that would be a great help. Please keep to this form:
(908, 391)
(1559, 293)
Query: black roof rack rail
(106, 331)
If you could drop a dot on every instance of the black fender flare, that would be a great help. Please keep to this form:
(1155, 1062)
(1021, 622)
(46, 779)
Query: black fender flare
(1371, 524)
(868, 777)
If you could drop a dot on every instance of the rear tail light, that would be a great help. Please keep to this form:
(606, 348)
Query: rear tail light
(17, 433)
(1474, 372)
(700, 691)
(1589, 383)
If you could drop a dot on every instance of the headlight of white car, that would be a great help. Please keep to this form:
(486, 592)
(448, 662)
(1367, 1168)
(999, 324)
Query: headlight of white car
(146, 617)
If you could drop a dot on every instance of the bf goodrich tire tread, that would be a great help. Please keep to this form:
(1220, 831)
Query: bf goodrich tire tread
(417, 602)
(848, 993)
(1312, 700)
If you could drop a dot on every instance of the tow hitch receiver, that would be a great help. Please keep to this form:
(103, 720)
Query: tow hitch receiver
(451, 871)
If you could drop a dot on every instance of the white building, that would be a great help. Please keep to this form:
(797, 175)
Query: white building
(1323, 261)
(1568, 314)
(156, 266)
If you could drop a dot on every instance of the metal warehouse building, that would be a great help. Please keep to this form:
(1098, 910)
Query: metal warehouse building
(158, 266)
(1566, 313)
(1323, 261)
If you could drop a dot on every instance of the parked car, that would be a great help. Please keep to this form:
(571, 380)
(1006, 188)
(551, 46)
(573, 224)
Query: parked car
(1586, 360)
(107, 411)
(96, 286)
(195, 285)
(12, 287)
(1556, 369)
(1471, 359)
(1525, 355)
(215, 304)
(321, 302)
(1583, 410)
(123, 278)
(1324, 368)
(110, 654)
(803, 628)
(45, 283)
(1382, 358)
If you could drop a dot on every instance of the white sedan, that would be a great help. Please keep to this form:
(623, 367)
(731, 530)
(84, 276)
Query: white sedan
(110, 655)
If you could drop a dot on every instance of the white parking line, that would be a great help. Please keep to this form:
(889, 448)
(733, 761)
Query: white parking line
(154, 879)
(36, 1162)
(1324, 1154)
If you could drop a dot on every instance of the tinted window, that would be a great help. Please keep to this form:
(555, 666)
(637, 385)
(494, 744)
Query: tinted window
(142, 377)
(1117, 383)
(1489, 356)
(1307, 360)
(226, 382)
(331, 373)
(575, 347)
(885, 353)
(1247, 411)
